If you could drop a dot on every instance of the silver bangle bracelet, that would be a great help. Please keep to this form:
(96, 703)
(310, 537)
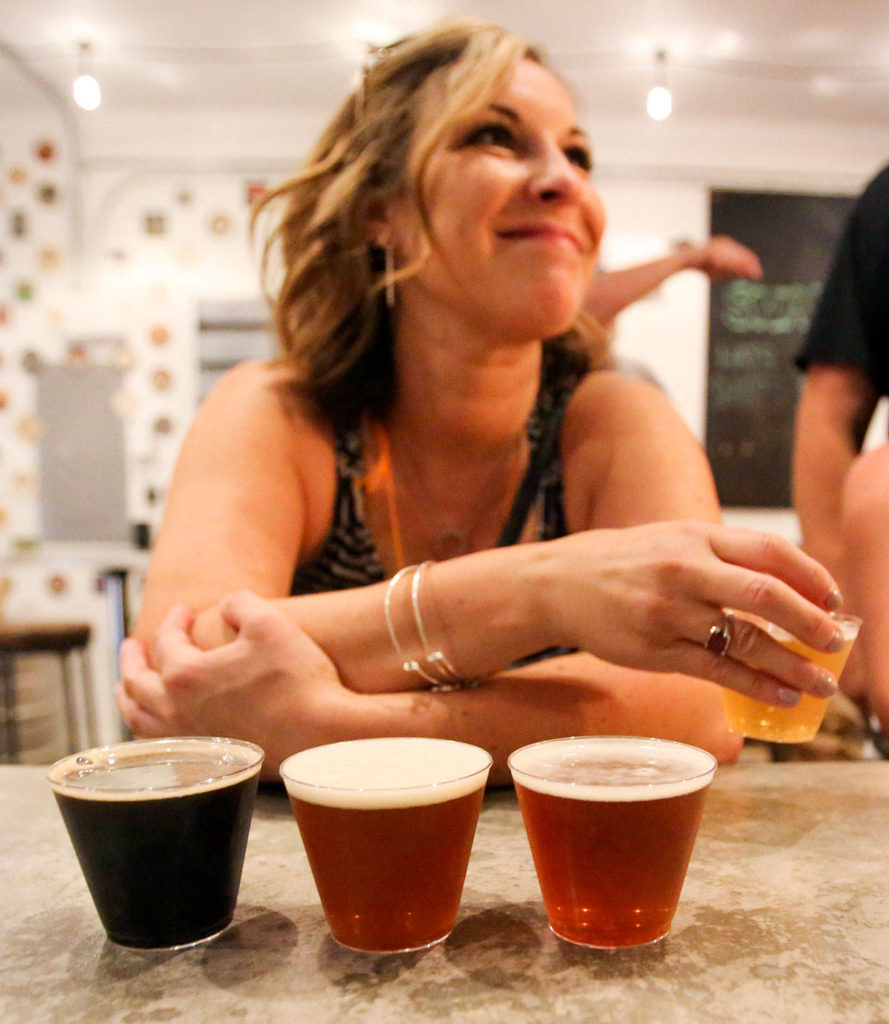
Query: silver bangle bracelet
(448, 678)
(407, 664)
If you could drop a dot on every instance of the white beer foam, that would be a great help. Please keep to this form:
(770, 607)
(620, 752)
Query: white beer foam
(612, 768)
(386, 772)
(155, 769)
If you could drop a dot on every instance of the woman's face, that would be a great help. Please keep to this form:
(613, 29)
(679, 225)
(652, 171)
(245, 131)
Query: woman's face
(516, 221)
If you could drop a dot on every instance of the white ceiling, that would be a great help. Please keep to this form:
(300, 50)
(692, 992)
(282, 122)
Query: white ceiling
(793, 60)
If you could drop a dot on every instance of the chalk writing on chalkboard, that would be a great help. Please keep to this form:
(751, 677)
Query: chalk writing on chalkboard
(756, 329)
(757, 307)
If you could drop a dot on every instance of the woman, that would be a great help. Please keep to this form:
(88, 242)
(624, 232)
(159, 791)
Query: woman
(433, 257)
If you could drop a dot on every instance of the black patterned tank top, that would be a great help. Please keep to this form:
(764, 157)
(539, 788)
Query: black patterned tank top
(348, 556)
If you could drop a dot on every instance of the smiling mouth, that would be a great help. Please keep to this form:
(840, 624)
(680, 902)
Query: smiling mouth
(543, 234)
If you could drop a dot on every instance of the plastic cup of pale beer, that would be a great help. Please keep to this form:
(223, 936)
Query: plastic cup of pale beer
(387, 825)
(611, 821)
(160, 829)
(797, 724)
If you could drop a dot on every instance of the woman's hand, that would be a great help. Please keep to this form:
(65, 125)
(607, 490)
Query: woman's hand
(647, 597)
(722, 258)
(270, 676)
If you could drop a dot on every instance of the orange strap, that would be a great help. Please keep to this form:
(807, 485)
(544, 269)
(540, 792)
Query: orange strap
(380, 478)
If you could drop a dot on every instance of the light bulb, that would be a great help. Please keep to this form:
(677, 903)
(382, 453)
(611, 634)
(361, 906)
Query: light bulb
(660, 103)
(87, 93)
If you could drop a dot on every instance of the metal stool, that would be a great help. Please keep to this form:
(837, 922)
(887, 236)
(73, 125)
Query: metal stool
(63, 639)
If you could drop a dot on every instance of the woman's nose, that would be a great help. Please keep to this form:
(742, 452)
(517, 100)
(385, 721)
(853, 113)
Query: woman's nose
(554, 177)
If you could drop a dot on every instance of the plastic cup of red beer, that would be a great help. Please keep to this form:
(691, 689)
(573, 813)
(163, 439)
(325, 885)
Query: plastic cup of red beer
(612, 822)
(387, 825)
(160, 829)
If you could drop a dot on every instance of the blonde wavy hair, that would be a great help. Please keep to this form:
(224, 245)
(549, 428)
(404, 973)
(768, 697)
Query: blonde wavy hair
(324, 279)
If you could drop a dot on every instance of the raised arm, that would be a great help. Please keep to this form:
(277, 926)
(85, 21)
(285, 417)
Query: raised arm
(720, 257)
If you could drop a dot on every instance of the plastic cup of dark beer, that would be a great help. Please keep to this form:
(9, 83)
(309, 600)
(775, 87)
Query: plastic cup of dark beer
(160, 829)
(611, 821)
(387, 825)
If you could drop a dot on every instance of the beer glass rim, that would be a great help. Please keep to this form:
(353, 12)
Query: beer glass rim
(852, 624)
(653, 787)
(102, 757)
(485, 761)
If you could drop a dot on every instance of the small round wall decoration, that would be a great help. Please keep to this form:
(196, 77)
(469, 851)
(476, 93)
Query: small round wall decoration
(24, 291)
(30, 361)
(77, 354)
(18, 224)
(162, 380)
(45, 150)
(255, 190)
(47, 193)
(160, 335)
(163, 425)
(17, 175)
(154, 224)
(57, 584)
(30, 428)
(49, 259)
(220, 224)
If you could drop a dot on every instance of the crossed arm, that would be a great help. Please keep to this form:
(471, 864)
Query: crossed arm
(640, 593)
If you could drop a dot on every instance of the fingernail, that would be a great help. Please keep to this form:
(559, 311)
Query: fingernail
(834, 601)
(788, 696)
(837, 643)
(825, 684)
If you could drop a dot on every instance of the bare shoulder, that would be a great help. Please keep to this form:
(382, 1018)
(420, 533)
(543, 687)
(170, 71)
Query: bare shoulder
(255, 436)
(607, 404)
(629, 457)
(263, 390)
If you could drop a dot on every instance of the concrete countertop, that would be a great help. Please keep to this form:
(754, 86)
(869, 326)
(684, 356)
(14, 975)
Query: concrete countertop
(784, 917)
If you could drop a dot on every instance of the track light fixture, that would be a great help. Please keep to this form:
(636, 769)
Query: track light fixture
(660, 100)
(86, 90)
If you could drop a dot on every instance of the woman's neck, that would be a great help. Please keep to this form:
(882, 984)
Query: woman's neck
(453, 447)
(461, 394)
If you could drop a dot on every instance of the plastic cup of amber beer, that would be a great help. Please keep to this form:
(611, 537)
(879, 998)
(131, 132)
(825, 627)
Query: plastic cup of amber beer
(611, 821)
(387, 825)
(800, 723)
(160, 829)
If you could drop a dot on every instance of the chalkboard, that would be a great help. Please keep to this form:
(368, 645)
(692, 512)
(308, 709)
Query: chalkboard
(756, 330)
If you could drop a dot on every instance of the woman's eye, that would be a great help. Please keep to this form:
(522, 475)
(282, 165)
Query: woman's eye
(491, 135)
(580, 156)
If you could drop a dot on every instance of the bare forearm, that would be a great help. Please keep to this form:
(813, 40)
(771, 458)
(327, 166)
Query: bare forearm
(480, 609)
(571, 695)
(612, 292)
(834, 408)
(821, 465)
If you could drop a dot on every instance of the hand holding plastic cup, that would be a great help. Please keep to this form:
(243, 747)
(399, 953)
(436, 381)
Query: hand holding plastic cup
(387, 825)
(800, 723)
(160, 829)
(612, 822)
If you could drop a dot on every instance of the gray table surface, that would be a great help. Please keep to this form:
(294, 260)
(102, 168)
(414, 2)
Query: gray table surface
(784, 917)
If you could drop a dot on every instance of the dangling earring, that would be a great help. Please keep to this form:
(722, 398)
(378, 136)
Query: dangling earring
(389, 273)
